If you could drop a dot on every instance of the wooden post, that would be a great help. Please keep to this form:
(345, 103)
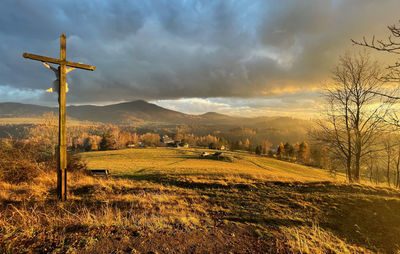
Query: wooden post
(62, 137)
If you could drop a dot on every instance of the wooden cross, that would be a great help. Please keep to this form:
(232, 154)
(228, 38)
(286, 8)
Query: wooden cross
(62, 137)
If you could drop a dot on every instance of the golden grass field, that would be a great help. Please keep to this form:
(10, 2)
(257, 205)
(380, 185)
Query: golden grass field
(161, 200)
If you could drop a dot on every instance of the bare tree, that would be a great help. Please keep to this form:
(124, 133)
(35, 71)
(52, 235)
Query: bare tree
(390, 45)
(354, 112)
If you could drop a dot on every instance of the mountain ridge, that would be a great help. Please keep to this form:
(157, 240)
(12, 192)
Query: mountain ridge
(150, 117)
(140, 111)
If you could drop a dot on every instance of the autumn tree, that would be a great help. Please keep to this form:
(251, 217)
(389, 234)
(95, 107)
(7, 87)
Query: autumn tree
(259, 149)
(246, 144)
(325, 160)
(266, 147)
(108, 141)
(304, 153)
(178, 137)
(289, 150)
(150, 139)
(207, 140)
(280, 151)
(320, 157)
(91, 143)
(133, 140)
(296, 149)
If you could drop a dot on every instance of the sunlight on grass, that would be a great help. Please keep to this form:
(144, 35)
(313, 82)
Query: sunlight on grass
(254, 202)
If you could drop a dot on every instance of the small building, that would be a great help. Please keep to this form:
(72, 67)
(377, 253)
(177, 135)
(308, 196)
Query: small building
(167, 140)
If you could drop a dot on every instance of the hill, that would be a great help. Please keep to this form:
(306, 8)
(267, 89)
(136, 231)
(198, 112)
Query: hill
(127, 112)
(20, 110)
(164, 200)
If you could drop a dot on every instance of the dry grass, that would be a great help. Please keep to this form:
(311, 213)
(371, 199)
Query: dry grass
(171, 201)
(30, 211)
(313, 239)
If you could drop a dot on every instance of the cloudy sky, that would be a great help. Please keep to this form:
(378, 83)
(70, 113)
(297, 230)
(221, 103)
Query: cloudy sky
(244, 57)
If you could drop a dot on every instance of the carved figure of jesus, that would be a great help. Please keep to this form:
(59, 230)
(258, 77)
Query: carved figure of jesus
(56, 83)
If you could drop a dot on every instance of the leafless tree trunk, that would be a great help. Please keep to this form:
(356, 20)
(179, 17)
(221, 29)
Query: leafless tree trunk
(371, 164)
(388, 149)
(336, 130)
(398, 167)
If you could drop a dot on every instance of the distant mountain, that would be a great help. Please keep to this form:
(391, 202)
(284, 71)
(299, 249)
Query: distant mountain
(13, 109)
(144, 112)
(152, 117)
(127, 112)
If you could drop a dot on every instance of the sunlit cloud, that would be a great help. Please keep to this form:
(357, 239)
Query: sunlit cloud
(301, 105)
(12, 94)
(169, 50)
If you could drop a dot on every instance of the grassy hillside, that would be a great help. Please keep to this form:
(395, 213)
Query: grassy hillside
(187, 163)
(172, 201)
(281, 203)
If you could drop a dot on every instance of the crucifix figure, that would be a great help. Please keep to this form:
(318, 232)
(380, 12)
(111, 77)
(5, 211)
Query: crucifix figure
(56, 83)
(60, 86)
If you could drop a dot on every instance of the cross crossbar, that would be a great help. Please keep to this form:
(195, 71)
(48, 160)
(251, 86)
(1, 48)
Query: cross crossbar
(58, 61)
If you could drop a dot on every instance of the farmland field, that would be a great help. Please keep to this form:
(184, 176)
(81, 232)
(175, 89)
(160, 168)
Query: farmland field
(161, 200)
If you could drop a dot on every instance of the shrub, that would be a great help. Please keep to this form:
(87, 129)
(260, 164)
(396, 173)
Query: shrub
(22, 161)
(19, 171)
(18, 161)
(76, 164)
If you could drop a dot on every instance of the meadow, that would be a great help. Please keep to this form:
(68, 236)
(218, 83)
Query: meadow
(167, 200)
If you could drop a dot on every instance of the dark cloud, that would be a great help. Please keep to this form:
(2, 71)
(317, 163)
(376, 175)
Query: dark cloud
(181, 49)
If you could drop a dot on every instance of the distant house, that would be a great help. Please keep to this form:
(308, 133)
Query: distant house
(167, 140)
